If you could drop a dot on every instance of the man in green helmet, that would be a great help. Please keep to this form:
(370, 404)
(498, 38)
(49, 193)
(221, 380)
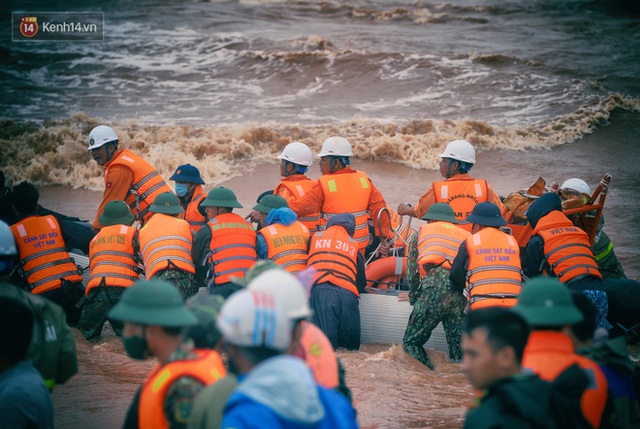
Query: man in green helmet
(154, 316)
(226, 246)
(431, 254)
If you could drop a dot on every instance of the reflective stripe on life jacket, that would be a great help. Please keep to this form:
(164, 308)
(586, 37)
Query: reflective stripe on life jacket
(334, 254)
(207, 368)
(438, 244)
(147, 183)
(44, 259)
(165, 242)
(567, 249)
(494, 273)
(287, 245)
(232, 247)
(298, 185)
(462, 196)
(348, 192)
(112, 258)
(191, 213)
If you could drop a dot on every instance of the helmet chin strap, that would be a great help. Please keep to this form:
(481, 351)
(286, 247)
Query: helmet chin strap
(109, 151)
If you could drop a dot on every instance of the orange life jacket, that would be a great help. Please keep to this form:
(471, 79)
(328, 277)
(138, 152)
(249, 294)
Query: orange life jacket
(567, 249)
(147, 183)
(112, 258)
(287, 245)
(334, 254)
(316, 350)
(232, 247)
(348, 192)
(549, 353)
(462, 196)
(191, 212)
(207, 368)
(165, 242)
(298, 185)
(438, 244)
(494, 273)
(44, 260)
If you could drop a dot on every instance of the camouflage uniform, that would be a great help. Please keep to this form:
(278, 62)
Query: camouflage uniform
(97, 305)
(184, 281)
(433, 302)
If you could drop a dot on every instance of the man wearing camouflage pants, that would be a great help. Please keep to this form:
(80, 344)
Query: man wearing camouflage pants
(430, 256)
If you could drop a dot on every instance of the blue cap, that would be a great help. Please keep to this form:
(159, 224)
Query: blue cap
(187, 173)
(486, 214)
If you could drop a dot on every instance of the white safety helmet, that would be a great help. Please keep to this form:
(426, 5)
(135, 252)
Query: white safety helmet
(286, 289)
(336, 146)
(7, 243)
(576, 184)
(460, 150)
(101, 135)
(255, 318)
(297, 153)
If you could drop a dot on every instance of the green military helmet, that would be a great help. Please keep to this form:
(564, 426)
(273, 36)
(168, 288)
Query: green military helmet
(269, 202)
(153, 302)
(544, 301)
(260, 266)
(440, 211)
(167, 203)
(221, 197)
(205, 307)
(116, 212)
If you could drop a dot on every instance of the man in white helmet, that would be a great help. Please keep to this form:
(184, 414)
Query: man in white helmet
(127, 177)
(342, 189)
(602, 247)
(459, 190)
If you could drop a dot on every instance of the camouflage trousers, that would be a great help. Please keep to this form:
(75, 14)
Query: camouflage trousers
(184, 281)
(97, 305)
(434, 302)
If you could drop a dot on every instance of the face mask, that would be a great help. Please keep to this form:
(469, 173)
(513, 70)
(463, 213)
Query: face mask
(135, 347)
(181, 189)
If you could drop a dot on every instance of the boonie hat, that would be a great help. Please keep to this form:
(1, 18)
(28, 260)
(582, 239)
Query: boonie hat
(167, 203)
(206, 308)
(187, 173)
(486, 214)
(440, 211)
(287, 289)
(153, 302)
(252, 318)
(269, 202)
(221, 197)
(544, 301)
(116, 212)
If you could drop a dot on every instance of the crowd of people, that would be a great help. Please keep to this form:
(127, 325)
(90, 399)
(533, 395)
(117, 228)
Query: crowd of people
(244, 320)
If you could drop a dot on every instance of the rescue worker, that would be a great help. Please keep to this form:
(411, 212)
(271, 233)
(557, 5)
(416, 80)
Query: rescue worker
(189, 191)
(546, 305)
(282, 238)
(45, 267)
(493, 343)
(612, 357)
(459, 189)
(431, 294)
(53, 346)
(127, 176)
(602, 247)
(341, 189)
(154, 316)
(560, 249)
(274, 389)
(225, 246)
(487, 266)
(335, 294)
(166, 243)
(24, 399)
(115, 263)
